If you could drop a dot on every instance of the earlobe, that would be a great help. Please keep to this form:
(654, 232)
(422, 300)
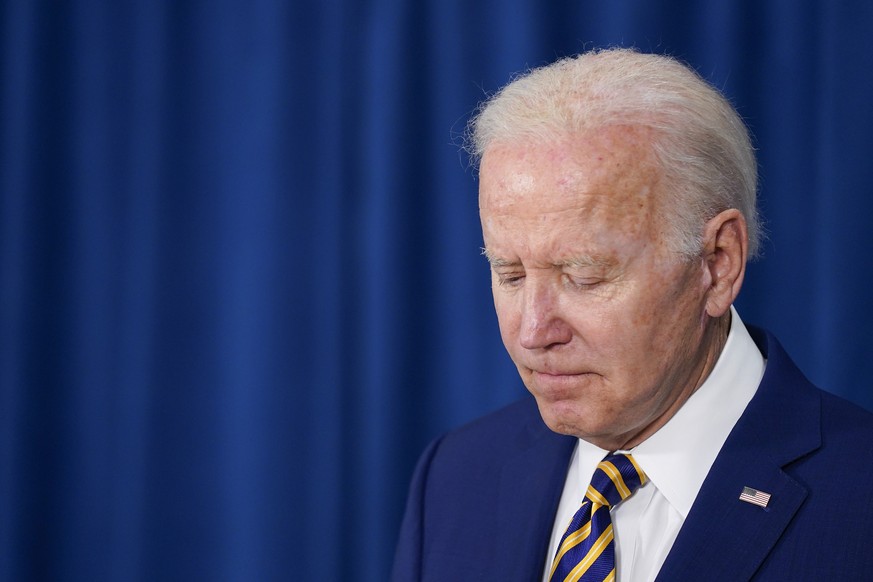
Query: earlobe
(725, 252)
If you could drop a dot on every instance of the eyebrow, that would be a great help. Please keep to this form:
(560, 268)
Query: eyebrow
(497, 261)
(579, 261)
(588, 261)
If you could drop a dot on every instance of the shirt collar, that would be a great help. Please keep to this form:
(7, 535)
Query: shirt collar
(677, 458)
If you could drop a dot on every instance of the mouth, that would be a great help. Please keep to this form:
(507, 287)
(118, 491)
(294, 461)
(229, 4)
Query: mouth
(556, 376)
(559, 384)
(557, 373)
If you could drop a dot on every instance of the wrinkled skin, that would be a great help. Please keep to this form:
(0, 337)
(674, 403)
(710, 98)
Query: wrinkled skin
(610, 330)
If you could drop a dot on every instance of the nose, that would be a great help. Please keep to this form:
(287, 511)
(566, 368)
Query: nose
(542, 324)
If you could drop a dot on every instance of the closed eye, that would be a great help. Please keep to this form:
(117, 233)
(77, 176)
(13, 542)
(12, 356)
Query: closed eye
(581, 282)
(509, 279)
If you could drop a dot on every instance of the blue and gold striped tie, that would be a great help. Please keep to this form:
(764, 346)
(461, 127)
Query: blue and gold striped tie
(587, 552)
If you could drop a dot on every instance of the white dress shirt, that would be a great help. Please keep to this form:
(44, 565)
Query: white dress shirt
(676, 460)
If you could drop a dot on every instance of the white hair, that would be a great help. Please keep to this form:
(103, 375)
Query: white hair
(703, 147)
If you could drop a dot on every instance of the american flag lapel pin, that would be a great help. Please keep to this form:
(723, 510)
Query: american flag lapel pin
(755, 497)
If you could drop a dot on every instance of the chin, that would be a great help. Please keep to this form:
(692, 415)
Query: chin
(572, 419)
(562, 417)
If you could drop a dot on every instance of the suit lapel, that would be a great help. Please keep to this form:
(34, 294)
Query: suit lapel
(528, 493)
(725, 538)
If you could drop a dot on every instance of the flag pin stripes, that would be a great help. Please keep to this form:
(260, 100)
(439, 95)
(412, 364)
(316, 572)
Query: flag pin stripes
(755, 497)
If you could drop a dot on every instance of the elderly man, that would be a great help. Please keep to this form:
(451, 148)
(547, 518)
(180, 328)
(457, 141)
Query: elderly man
(665, 439)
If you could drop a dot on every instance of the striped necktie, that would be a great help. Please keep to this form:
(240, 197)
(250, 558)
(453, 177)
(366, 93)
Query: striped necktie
(587, 551)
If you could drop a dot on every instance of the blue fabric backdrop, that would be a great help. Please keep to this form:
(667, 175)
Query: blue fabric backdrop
(240, 285)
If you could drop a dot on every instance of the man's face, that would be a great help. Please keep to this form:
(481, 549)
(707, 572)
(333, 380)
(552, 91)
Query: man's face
(603, 321)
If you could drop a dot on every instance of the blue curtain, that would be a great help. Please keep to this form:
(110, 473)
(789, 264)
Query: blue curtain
(240, 282)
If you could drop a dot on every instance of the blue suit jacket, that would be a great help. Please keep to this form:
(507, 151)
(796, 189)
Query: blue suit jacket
(484, 497)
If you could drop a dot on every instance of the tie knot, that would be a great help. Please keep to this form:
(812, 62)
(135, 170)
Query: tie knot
(615, 479)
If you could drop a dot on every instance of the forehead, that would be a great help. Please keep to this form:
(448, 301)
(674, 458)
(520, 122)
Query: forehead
(601, 186)
(613, 166)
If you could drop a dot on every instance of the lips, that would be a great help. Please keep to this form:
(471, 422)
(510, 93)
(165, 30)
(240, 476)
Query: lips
(556, 373)
(558, 385)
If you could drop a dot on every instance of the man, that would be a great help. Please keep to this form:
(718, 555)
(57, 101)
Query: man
(617, 200)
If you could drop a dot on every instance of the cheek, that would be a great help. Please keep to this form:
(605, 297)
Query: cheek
(635, 330)
(670, 323)
(608, 319)
(666, 296)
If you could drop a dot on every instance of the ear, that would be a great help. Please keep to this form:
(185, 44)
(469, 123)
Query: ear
(725, 250)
